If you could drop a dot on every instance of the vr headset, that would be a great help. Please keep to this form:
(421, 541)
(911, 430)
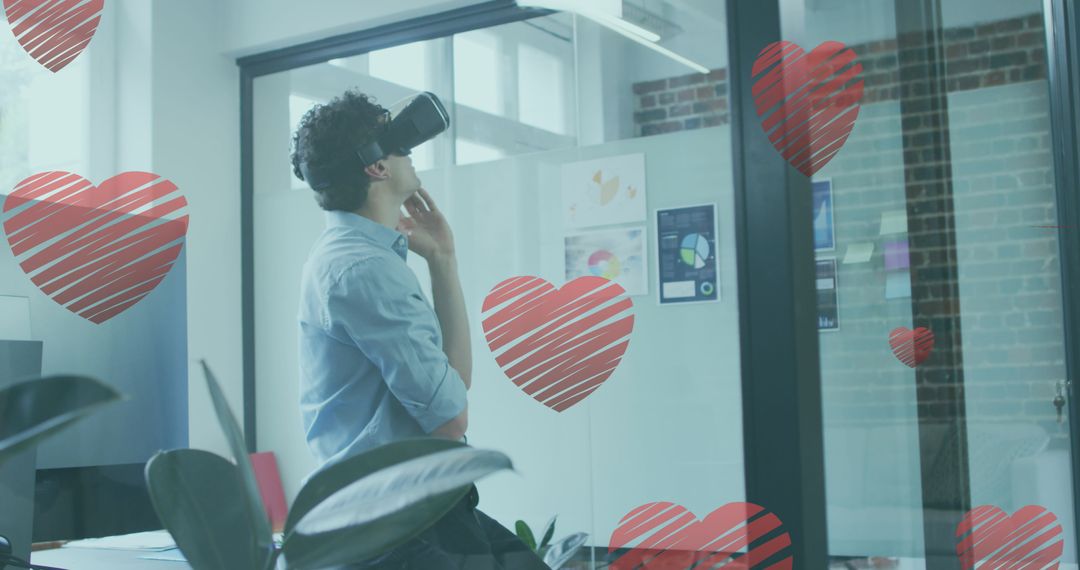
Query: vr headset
(421, 118)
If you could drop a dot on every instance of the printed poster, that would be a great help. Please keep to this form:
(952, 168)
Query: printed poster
(603, 192)
(827, 305)
(618, 255)
(686, 247)
(824, 226)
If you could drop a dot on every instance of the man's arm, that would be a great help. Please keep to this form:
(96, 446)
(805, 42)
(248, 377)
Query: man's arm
(456, 427)
(450, 308)
(398, 332)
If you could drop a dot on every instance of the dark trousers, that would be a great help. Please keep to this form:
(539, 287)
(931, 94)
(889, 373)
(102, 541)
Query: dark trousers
(464, 539)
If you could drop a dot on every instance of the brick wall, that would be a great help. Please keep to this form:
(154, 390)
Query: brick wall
(987, 55)
(686, 102)
(1002, 179)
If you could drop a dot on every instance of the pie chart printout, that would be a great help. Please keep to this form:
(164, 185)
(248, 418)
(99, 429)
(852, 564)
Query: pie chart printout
(694, 251)
(603, 263)
(618, 255)
(687, 249)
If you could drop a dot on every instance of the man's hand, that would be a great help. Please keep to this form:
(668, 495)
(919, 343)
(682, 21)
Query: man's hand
(430, 238)
(429, 232)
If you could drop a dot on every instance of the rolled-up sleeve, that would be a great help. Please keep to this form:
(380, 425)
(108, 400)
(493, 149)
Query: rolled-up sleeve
(381, 310)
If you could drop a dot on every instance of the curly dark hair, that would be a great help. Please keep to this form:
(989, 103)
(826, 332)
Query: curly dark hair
(325, 139)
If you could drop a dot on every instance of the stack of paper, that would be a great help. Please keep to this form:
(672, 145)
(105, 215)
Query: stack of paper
(859, 253)
(174, 554)
(153, 540)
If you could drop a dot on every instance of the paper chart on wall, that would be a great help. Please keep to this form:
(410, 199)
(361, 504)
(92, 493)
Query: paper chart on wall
(14, 318)
(688, 262)
(618, 255)
(605, 191)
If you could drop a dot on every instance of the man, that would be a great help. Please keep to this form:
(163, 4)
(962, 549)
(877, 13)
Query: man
(376, 363)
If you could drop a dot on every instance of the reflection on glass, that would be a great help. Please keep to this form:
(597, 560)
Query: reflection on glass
(541, 87)
(477, 81)
(469, 152)
(404, 65)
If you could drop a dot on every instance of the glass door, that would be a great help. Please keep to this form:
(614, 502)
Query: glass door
(925, 131)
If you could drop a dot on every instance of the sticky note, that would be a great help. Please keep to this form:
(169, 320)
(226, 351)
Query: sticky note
(859, 253)
(894, 222)
(896, 255)
(897, 284)
(14, 318)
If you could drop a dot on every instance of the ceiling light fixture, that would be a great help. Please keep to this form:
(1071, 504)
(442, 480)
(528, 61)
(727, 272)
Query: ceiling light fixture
(615, 23)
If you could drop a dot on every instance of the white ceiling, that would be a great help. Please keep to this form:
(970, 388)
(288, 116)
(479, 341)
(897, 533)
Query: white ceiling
(253, 26)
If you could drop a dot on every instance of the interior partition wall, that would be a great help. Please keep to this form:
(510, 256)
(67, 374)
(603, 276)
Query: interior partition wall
(666, 431)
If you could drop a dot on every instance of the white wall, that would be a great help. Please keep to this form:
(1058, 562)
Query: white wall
(196, 143)
(177, 114)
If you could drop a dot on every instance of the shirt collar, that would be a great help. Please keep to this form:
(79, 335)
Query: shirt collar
(376, 232)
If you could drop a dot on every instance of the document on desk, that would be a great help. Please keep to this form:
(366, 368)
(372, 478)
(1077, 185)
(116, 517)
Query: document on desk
(154, 540)
(172, 554)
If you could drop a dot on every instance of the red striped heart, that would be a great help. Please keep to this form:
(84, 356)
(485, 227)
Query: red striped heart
(912, 347)
(1031, 539)
(54, 32)
(96, 250)
(558, 345)
(665, 535)
(808, 103)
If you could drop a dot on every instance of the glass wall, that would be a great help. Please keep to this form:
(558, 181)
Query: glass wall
(936, 219)
(573, 151)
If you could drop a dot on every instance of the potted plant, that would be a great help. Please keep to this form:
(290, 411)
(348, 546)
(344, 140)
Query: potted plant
(554, 555)
(353, 510)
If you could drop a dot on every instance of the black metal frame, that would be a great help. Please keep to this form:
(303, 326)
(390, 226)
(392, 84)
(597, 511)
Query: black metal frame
(935, 283)
(1062, 19)
(782, 417)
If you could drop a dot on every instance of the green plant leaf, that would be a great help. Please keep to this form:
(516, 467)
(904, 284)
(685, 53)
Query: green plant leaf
(525, 534)
(366, 505)
(333, 478)
(196, 496)
(258, 520)
(33, 410)
(564, 549)
(549, 532)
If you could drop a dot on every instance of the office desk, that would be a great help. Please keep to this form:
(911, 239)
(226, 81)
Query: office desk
(102, 559)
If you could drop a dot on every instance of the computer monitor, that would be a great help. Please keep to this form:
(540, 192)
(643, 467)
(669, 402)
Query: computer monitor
(91, 502)
(19, 360)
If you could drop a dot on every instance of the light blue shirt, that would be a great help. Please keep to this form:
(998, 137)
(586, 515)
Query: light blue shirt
(372, 368)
